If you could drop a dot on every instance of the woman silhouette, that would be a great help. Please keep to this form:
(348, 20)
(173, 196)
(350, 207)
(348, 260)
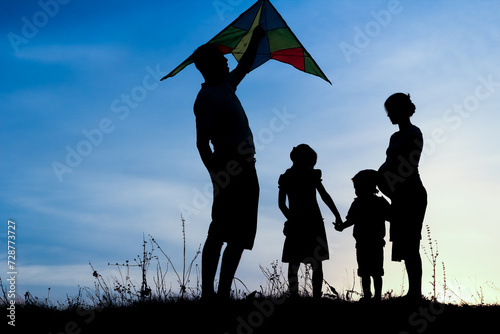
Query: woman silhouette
(400, 181)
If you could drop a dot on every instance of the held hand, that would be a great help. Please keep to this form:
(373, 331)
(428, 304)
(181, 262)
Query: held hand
(338, 220)
(338, 227)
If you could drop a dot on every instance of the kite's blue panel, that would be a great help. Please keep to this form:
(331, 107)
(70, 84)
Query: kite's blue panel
(245, 20)
(273, 18)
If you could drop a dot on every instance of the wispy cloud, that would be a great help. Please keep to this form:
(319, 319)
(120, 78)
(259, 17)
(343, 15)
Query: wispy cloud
(73, 53)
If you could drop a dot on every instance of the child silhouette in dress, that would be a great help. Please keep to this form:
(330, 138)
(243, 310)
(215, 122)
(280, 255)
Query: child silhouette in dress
(304, 229)
(368, 214)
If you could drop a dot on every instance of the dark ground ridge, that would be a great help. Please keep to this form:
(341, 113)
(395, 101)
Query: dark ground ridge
(262, 315)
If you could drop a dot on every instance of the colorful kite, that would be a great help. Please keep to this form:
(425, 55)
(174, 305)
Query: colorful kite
(279, 43)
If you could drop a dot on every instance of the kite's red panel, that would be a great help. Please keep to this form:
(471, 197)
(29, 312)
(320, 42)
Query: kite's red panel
(225, 49)
(294, 57)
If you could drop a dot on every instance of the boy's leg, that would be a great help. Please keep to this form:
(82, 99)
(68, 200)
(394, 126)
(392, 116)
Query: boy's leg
(293, 280)
(209, 262)
(366, 284)
(317, 279)
(230, 261)
(378, 270)
(377, 282)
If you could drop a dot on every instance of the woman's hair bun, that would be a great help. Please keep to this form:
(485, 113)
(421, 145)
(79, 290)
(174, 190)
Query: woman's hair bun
(400, 101)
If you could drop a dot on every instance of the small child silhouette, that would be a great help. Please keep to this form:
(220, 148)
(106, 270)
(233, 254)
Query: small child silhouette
(304, 229)
(368, 214)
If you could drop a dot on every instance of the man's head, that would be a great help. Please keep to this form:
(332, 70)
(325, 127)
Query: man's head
(210, 61)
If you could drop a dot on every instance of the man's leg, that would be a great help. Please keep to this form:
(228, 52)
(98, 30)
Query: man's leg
(209, 262)
(230, 261)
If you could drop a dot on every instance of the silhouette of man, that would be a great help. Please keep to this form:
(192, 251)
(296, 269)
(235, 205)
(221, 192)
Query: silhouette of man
(221, 121)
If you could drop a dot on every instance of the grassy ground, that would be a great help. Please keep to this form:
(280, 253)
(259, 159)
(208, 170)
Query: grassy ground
(116, 307)
(262, 315)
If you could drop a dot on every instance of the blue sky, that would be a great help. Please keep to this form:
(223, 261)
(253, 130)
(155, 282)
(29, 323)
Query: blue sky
(80, 91)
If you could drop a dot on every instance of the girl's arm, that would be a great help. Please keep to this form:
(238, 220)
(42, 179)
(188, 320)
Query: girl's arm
(329, 202)
(282, 203)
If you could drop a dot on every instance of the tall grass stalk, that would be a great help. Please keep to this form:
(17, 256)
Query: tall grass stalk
(432, 256)
(186, 271)
(445, 286)
(123, 291)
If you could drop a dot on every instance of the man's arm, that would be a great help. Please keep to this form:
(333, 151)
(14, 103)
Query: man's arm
(248, 58)
(203, 145)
